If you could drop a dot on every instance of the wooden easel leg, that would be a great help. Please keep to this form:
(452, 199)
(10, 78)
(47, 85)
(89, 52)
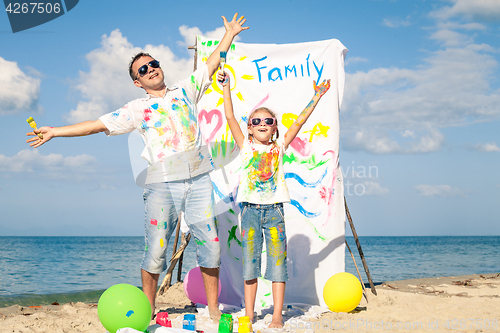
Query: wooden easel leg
(365, 265)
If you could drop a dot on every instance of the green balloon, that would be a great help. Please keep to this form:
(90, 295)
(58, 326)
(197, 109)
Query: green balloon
(124, 305)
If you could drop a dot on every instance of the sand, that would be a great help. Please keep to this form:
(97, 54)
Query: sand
(459, 304)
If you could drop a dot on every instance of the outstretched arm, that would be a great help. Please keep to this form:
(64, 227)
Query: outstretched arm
(319, 91)
(80, 129)
(233, 28)
(238, 135)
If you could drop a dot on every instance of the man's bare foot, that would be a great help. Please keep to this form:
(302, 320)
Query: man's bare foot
(215, 314)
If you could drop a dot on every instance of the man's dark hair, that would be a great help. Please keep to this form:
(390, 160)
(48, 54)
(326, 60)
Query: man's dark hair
(134, 59)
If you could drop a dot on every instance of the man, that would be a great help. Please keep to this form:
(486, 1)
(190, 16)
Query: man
(177, 178)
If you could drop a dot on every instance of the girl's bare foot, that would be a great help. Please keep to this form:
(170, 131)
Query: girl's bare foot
(276, 323)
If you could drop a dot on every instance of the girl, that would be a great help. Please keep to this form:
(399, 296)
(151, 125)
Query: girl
(262, 192)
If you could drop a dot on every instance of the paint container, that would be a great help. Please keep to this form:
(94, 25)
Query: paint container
(244, 325)
(162, 319)
(189, 322)
(226, 323)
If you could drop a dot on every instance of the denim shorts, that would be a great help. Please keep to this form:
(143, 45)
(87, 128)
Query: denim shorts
(257, 222)
(164, 203)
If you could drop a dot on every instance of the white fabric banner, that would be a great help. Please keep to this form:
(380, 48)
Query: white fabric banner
(280, 77)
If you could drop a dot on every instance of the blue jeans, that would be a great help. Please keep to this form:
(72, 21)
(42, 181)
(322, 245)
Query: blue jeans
(164, 203)
(257, 222)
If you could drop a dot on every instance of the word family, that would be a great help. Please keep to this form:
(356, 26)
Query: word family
(289, 70)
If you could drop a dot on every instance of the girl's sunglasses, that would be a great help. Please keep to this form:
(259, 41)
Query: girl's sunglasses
(143, 70)
(268, 121)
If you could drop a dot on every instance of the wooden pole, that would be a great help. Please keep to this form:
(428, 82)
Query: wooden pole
(168, 278)
(179, 268)
(365, 265)
(173, 262)
(359, 274)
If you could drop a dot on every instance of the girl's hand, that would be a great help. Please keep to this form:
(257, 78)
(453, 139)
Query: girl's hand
(223, 78)
(322, 88)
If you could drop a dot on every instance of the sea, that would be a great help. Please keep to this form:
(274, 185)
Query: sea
(44, 270)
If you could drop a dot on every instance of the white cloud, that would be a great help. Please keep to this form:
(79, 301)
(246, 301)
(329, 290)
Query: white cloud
(30, 160)
(353, 60)
(472, 9)
(396, 22)
(19, 92)
(383, 106)
(487, 147)
(380, 142)
(374, 188)
(443, 191)
(108, 86)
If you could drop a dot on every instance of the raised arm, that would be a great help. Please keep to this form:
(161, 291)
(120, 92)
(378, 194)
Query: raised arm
(233, 28)
(319, 91)
(238, 135)
(80, 129)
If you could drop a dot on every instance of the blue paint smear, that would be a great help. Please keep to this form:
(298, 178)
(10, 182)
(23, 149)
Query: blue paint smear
(302, 210)
(302, 182)
(130, 312)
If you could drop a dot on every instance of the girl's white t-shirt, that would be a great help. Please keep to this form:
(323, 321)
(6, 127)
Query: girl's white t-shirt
(262, 177)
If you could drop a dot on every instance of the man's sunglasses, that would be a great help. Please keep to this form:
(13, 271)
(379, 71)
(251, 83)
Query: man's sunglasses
(143, 70)
(256, 121)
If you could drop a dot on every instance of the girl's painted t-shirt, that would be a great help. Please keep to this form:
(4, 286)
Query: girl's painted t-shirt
(262, 178)
(169, 127)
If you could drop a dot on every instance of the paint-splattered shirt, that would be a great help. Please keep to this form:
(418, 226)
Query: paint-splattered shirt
(262, 179)
(169, 128)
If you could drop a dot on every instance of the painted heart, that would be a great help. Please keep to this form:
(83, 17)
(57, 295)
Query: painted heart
(303, 147)
(208, 120)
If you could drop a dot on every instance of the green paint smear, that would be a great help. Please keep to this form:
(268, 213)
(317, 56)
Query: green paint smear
(200, 242)
(309, 163)
(194, 82)
(221, 148)
(231, 211)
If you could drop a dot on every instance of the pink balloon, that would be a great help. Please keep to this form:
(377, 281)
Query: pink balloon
(194, 287)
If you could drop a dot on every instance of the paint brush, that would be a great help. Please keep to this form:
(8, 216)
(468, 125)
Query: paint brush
(223, 55)
(32, 123)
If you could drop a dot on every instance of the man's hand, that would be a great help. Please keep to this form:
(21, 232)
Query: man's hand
(236, 25)
(36, 141)
(322, 88)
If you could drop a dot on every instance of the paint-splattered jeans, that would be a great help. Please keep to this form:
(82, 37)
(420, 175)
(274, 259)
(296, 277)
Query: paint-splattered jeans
(257, 222)
(164, 202)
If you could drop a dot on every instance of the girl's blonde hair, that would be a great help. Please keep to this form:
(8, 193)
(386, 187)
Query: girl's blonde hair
(272, 115)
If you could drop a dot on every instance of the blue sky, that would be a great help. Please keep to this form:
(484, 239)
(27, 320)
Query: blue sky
(420, 144)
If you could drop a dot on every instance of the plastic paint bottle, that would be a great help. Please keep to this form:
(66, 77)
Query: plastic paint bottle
(244, 325)
(189, 322)
(226, 323)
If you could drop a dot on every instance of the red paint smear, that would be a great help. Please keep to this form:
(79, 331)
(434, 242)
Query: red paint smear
(154, 222)
(261, 102)
(303, 147)
(208, 116)
(216, 239)
(147, 114)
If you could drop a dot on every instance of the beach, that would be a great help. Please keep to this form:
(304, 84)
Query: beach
(469, 303)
